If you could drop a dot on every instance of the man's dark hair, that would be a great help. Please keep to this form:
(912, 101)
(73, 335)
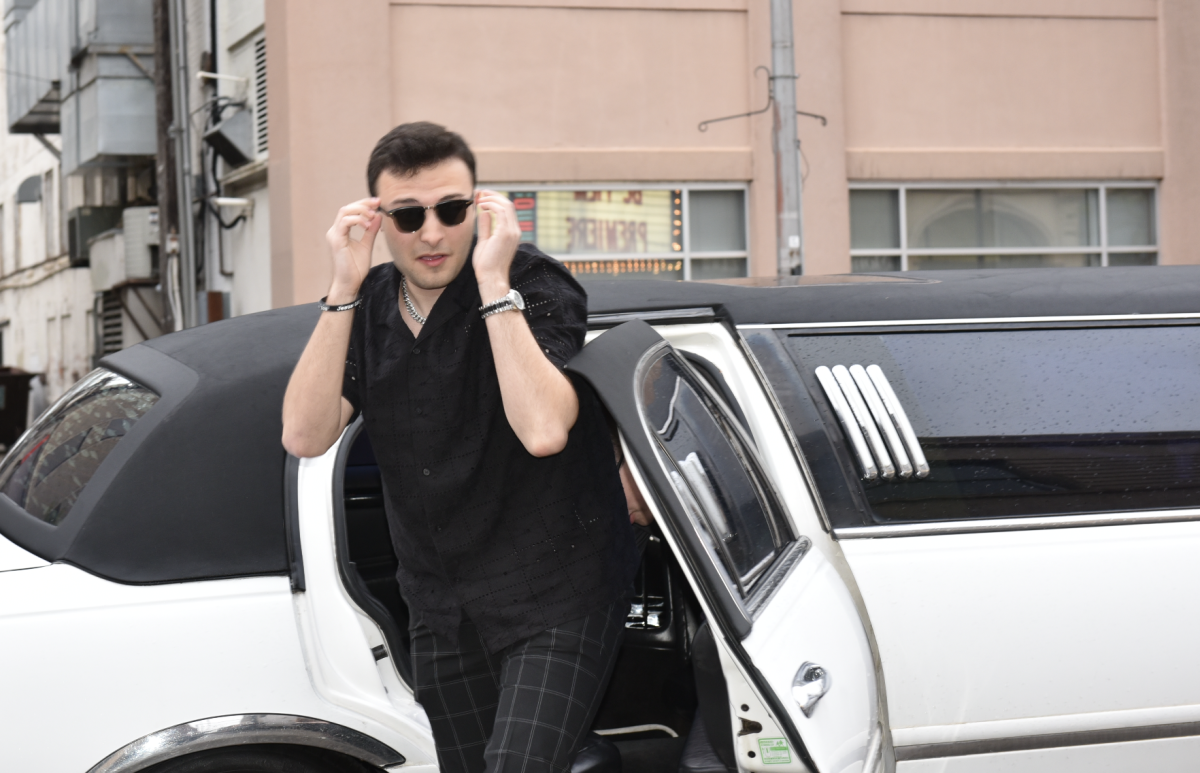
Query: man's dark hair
(411, 147)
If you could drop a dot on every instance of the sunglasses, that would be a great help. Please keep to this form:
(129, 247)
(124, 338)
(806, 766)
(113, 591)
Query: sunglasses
(410, 219)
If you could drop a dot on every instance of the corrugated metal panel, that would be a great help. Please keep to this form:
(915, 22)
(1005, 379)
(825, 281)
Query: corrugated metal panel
(71, 72)
(36, 57)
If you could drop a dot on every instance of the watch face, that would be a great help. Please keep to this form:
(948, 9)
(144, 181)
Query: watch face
(517, 300)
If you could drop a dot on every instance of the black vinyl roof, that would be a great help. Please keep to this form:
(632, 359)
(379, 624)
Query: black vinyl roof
(196, 490)
(917, 295)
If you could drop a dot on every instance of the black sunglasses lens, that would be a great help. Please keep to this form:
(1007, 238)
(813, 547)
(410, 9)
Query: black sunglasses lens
(453, 212)
(408, 219)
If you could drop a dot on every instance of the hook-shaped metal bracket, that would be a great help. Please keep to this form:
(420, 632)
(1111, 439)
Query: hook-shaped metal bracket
(703, 125)
(820, 118)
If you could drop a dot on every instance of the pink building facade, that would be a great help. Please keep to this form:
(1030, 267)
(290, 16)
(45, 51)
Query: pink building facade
(957, 133)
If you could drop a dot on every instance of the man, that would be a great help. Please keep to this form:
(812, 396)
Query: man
(503, 500)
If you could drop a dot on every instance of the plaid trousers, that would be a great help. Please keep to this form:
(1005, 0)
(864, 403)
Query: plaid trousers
(524, 709)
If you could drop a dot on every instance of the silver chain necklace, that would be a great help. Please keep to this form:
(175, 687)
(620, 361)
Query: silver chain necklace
(408, 304)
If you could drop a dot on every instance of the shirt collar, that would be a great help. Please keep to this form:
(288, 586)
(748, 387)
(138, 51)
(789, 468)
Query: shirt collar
(463, 292)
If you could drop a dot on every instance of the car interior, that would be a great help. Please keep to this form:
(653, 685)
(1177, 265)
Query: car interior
(667, 706)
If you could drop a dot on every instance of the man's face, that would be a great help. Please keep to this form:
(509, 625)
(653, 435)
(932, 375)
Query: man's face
(433, 255)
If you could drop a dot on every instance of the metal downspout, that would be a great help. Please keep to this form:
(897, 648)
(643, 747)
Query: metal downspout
(787, 143)
(181, 131)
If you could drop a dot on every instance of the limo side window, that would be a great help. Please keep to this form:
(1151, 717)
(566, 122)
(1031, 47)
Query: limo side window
(1023, 422)
(52, 462)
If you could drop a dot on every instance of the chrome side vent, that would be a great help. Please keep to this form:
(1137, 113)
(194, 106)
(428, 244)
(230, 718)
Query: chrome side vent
(874, 420)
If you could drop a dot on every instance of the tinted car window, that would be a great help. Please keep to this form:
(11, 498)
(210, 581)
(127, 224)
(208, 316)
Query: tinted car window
(1032, 422)
(48, 468)
(713, 470)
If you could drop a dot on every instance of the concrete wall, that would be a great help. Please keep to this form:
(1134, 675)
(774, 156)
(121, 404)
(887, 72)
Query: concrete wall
(564, 91)
(1180, 192)
(45, 306)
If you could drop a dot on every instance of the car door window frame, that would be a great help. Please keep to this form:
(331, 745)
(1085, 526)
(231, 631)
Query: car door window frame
(741, 604)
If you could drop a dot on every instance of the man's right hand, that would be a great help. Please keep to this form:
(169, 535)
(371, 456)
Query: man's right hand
(351, 257)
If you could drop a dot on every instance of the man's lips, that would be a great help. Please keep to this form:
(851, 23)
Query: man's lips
(433, 260)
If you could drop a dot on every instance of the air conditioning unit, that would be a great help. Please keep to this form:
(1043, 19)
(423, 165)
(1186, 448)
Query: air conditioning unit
(126, 254)
(140, 225)
(107, 251)
(84, 224)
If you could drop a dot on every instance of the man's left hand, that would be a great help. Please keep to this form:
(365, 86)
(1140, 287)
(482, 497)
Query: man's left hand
(499, 236)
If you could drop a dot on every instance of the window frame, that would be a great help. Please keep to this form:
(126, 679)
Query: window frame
(1103, 249)
(791, 546)
(839, 487)
(686, 254)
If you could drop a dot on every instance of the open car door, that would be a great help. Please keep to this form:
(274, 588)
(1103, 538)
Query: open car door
(798, 667)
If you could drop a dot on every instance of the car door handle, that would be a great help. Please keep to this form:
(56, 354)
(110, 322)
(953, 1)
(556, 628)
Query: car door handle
(810, 685)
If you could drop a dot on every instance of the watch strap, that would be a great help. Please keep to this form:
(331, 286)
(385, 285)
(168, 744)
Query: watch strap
(510, 300)
(496, 307)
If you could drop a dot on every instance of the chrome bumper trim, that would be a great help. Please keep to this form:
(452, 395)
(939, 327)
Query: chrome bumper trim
(1015, 524)
(930, 751)
(240, 729)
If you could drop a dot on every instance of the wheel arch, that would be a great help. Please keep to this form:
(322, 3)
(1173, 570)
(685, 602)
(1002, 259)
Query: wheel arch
(242, 729)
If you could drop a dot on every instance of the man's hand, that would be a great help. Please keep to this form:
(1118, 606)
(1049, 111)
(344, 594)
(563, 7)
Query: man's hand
(352, 258)
(499, 236)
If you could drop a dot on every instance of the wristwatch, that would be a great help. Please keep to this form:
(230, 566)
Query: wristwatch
(511, 300)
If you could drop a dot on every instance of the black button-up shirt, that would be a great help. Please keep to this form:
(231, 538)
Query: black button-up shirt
(481, 526)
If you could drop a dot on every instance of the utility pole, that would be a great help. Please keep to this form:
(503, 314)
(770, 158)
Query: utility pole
(790, 224)
(184, 184)
(164, 163)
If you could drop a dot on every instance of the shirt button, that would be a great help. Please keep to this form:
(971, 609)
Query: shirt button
(418, 411)
(426, 470)
(416, 350)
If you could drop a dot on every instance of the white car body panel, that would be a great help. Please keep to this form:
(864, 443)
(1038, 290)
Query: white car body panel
(813, 615)
(13, 557)
(98, 664)
(1018, 633)
(108, 663)
(813, 619)
(338, 636)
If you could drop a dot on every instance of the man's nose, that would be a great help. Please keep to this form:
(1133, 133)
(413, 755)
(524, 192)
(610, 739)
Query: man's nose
(432, 231)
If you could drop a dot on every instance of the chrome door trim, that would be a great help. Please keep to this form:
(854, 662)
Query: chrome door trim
(862, 414)
(1017, 524)
(239, 729)
(885, 419)
(895, 412)
(967, 321)
(874, 750)
(850, 423)
(657, 316)
(930, 751)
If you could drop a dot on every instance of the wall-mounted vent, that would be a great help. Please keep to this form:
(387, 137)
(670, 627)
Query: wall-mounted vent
(881, 436)
(111, 323)
(260, 95)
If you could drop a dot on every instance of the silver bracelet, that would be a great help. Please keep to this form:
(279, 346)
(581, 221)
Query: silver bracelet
(323, 306)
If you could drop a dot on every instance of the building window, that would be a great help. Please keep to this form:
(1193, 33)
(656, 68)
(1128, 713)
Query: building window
(653, 232)
(935, 226)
